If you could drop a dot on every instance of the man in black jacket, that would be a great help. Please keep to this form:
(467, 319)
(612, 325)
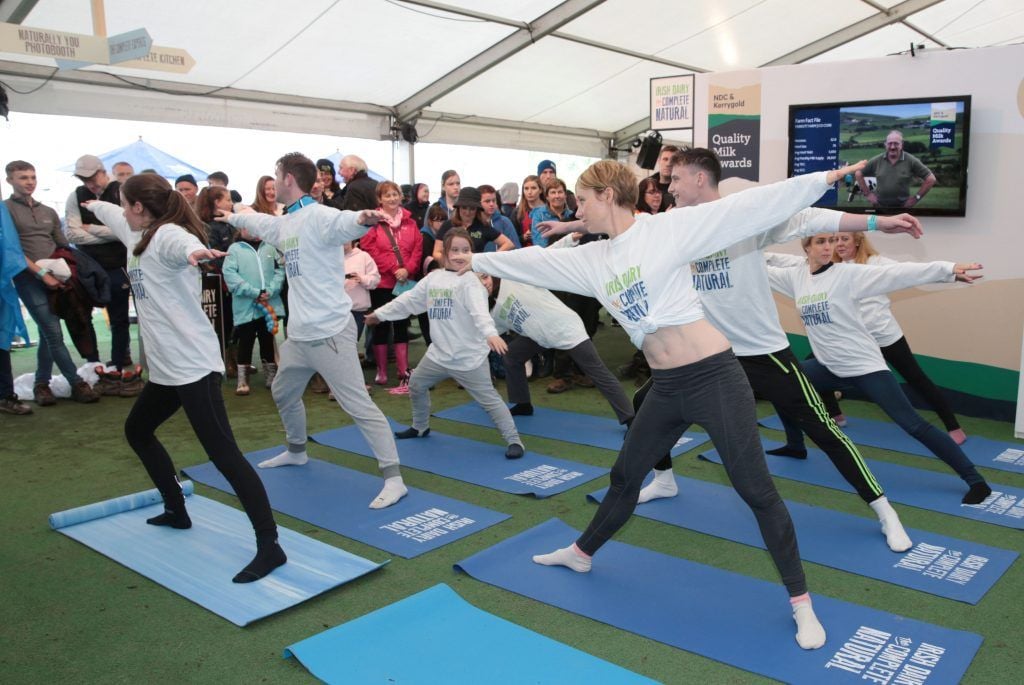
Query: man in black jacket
(360, 191)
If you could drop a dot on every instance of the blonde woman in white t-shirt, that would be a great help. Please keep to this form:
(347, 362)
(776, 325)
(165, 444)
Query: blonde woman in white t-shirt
(165, 241)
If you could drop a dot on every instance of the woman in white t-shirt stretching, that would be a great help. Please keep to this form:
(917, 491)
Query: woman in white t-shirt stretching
(462, 334)
(165, 240)
(827, 297)
(641, 276)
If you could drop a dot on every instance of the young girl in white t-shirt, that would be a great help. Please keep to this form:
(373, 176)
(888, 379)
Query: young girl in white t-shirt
(461, 336)
(165, 239)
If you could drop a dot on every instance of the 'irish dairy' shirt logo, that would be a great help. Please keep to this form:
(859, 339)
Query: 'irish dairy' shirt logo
(711, 272)
(628, 294)
(514, 313)
(136, 278)
(290, 248)
(441, 302)
(814, 309)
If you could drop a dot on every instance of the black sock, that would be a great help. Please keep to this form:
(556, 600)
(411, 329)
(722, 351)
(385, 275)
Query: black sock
(514, 451)
(411, 432)
(521, 409)
(175, 518)
(268, 557)
(977, 493)
(787, 451)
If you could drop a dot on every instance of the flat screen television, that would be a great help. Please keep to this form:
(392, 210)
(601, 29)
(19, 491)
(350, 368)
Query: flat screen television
(916, 150)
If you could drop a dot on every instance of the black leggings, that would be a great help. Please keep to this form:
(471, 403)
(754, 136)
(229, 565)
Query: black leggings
(247, 334)
(204, 407)
(779, 379)
(714, 394)
(382, 331)
(900, 357)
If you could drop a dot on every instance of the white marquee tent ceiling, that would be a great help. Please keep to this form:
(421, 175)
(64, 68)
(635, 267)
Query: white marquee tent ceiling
(526, 68)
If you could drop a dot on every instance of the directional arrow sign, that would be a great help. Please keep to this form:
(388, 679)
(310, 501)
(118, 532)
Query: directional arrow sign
(162, 58)
(128, 46)
(49, 43)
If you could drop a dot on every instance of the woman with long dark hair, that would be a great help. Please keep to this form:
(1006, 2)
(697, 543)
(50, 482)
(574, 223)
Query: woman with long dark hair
(166, 242)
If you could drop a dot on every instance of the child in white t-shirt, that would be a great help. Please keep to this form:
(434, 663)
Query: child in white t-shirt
(462, 334)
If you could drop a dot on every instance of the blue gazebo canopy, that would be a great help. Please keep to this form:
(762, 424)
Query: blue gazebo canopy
(141, 155)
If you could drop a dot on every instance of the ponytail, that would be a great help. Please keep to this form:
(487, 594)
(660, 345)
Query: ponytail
(167, 205)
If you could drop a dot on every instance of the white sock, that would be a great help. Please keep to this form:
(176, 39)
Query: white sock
(892, 529)
(569, 557)
(394, 490)
(286, 458)
(663, 485)
(810, 634)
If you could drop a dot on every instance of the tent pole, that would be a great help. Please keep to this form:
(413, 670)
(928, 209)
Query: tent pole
(99, 19)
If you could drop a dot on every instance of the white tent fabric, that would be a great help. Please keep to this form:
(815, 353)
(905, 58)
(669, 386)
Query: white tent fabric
(568, 76)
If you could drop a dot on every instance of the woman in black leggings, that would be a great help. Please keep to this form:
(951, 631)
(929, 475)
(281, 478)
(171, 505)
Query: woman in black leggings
(165, 243)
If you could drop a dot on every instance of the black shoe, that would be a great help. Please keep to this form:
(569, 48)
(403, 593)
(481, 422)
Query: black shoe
(411, 432)
(514, 451)
(521, 409)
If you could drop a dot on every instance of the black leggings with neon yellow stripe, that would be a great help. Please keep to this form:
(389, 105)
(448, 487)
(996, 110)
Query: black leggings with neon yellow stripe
(777, 378)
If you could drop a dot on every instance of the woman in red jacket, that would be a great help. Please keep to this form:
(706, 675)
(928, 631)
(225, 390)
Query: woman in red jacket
(396, 246)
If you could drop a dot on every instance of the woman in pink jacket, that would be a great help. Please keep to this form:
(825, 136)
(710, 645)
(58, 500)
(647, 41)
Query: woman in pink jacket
(396, 246)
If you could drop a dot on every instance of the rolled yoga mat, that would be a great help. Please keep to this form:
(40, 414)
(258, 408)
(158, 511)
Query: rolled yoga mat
(435, 636)
(936, 564)
(479, 463)
(982, 451)
(740, 621)
(567, 426)
(200, 562)
(929, 490)
(337, 499)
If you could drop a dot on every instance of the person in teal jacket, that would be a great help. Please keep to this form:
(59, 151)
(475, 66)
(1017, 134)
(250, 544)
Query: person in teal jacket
(12, 262)
(254, 277)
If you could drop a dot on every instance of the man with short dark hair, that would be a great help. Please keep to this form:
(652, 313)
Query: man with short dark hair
(122, 171)
(664, 176)
(39, 233)
(118, 376)
(218, 179)
(360, 191)
(187, 186)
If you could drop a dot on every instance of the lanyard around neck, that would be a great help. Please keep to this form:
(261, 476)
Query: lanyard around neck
(299, 204)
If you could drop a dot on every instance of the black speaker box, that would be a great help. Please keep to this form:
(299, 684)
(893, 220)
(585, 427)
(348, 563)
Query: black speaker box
(647, 155)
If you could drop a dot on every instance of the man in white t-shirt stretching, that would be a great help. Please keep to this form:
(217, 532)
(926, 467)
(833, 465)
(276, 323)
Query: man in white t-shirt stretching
(321, 330)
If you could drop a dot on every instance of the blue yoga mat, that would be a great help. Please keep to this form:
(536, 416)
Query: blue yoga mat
(940, 565)
(939, 492)
(435, 636)
(741, 621)
(582, 429)
(995, 454)
(199, 563)
(337, 499)
(480, 463)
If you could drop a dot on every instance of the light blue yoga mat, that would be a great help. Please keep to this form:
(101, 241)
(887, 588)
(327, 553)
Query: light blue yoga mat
(939, 565)
(582, 429)
(939, 492)
(200, 562)
(480, 463)
(741, 621)
(995, 454)
(436, 637)
(337, 499)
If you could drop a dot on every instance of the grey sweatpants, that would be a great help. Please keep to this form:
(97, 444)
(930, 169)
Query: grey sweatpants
(477, 383)
(335, 359)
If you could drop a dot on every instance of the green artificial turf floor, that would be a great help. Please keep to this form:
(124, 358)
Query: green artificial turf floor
(72, 615)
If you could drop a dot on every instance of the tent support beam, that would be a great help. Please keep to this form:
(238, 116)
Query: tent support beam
(544, 25)
(14, 12)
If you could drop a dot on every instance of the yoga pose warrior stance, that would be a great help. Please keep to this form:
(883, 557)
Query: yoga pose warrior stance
(542, 321)
(845, 355)
(165, 241)
(733, 288)
(321, 329)
(461, 336)
(641, 277)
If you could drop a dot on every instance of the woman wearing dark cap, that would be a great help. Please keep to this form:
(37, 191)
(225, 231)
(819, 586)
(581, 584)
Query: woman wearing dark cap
(469, 215)
(329, 179)
(419, 203)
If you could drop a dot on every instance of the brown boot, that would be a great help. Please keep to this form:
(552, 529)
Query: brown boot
(131, 381)
(81, 392)
(12, 405)
(560, 385)
(43, 396)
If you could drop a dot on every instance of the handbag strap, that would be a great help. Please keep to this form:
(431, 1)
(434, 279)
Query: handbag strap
(394, 246)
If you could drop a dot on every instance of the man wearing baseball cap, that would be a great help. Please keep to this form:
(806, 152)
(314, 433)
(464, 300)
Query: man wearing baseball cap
(119, 375)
